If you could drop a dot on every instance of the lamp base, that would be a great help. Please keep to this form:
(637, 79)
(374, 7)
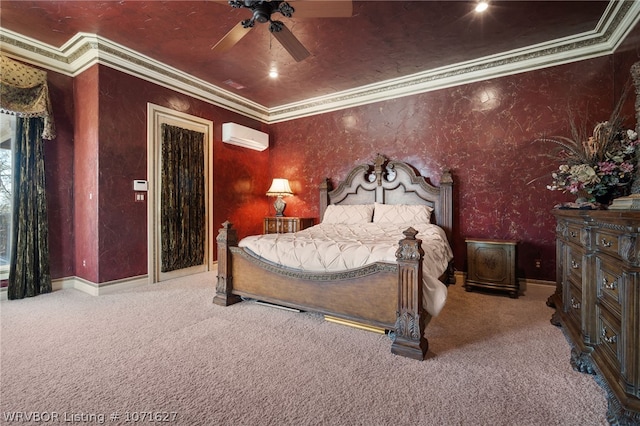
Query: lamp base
(279, 205)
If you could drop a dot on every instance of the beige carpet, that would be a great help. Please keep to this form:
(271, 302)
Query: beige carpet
(166, 348)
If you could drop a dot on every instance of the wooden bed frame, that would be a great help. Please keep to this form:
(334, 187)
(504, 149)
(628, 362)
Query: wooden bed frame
(384, 295)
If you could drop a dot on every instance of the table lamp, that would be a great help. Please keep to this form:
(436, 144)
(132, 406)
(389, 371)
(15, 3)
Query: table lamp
(279, 188)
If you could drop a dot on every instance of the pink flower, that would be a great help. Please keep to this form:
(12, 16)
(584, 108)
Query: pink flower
(574, 187)
(626, 167)
(607, 167)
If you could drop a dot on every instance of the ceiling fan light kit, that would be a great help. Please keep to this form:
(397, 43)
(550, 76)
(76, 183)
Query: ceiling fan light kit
(262, 12)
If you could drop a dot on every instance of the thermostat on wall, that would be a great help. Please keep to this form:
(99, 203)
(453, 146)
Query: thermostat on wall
(140, 185)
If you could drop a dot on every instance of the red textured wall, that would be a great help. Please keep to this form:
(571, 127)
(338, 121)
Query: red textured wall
(239, 178)
(85, 173)
(484, 132)
(59, 178)
(101, 148)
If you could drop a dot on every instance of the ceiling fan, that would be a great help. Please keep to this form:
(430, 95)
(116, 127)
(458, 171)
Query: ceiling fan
(262, 11)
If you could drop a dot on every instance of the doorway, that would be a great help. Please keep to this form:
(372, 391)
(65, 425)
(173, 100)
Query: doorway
(179, 197)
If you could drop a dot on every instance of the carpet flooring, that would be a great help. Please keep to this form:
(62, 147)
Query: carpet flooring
(164, 353)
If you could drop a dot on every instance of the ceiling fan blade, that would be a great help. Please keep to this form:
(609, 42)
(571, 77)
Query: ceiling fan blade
(291, 44)
(231, 38)
(322, 8)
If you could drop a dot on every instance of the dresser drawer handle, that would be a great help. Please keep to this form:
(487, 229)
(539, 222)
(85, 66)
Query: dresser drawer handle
(573, 234)
(609, 285)
(611, 339)
(574, 264)
(605, 243)
(574, 304)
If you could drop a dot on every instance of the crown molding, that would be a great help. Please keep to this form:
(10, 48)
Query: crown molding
(619, 19)
(84, 50)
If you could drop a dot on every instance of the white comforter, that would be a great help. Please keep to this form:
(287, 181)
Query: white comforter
(338, 247)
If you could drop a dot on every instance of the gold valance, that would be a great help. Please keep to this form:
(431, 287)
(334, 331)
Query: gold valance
(24, 92)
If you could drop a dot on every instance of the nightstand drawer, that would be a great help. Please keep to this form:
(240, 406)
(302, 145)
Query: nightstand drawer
(284, 224)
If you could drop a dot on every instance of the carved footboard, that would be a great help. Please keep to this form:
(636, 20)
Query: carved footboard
(312, 291)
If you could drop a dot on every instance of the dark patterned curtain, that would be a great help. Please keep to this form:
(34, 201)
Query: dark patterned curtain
(182, 194)
(29, 273)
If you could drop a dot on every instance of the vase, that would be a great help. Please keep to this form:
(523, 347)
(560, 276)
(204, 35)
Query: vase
(614, 192)
(605, 199)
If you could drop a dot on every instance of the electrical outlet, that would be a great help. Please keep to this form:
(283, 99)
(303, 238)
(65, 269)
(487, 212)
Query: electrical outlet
(538, 263)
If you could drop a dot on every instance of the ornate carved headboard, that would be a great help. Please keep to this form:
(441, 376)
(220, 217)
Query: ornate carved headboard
(392, 182)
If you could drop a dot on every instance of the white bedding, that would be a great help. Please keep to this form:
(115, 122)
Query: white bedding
(337, 247)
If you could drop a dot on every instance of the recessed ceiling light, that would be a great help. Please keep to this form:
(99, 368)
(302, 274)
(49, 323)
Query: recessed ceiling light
(482, 6)
(273, 73)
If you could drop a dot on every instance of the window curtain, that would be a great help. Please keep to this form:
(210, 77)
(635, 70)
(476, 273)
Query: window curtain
(24, 92)
(29, 273)
(182, 217)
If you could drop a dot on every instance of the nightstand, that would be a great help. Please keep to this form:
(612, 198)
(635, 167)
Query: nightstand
(492, 265)
(283, 224)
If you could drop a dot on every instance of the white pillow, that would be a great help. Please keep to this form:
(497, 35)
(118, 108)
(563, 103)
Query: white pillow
(348, 213)
(401, 213)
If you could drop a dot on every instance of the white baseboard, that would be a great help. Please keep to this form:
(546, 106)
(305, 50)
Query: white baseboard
(101, 289)
(90, 287)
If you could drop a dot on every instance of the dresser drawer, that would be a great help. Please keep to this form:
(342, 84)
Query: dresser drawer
(573, 233)
(573, 304)
(607, 242)
(573, 263)
(609, 336)
(609, 278)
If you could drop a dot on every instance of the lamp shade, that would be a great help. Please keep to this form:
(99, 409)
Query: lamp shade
(279, 188)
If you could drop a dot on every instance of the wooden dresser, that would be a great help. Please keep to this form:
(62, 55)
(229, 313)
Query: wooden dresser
(597, 301)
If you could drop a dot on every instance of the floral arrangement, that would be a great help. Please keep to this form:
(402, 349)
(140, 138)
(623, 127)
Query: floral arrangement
(602, 164)
(596, 166)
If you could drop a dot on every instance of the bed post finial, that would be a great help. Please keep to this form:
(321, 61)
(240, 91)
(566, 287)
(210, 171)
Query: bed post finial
(445, 217)
(411, 321)
(227, 237)
(380, 160)
(325, 187)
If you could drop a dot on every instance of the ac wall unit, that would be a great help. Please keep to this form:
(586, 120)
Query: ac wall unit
(236, 134)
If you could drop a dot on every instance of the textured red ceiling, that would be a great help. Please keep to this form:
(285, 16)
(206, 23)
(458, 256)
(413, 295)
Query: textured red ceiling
(382, 40)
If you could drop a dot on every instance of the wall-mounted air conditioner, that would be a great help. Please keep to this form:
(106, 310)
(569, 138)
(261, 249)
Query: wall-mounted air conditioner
(236, 134)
